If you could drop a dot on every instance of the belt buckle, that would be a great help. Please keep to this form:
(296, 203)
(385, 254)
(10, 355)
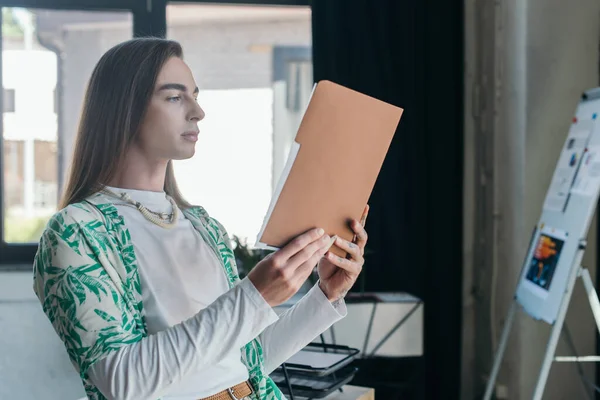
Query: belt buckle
(230, 391)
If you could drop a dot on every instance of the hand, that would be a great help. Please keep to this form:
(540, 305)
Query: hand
(336, 274)
(281, 274)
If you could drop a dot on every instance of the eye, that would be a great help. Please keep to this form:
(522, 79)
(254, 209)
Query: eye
(174, 99)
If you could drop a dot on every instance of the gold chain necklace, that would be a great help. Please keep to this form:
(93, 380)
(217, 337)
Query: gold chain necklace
(151, 216)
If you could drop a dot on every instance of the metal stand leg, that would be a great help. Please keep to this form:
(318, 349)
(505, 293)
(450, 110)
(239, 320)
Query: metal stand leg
(548, 357)
(584, 274)
(394, 329)
(501, 349)
(557, 327)
(592, 295)
(369, 328)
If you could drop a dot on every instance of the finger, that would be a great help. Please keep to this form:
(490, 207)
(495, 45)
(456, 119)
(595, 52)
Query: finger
(315, 249)
(351, 266)
(305, 269)
(365, 214)
(351, 248)
(299, 243)
(363, 220)
(361, 234)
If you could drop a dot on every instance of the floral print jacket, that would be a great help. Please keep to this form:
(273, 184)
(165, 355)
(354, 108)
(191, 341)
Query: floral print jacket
(86, 278)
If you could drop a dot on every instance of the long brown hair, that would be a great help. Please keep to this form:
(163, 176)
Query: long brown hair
(115, 103)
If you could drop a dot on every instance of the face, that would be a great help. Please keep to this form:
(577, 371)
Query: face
(170, 129)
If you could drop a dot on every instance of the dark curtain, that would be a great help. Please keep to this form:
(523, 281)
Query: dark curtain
(410, 53)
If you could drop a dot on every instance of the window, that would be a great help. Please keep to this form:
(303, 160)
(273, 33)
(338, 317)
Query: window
(34, 160)
(56, 100)
(36, 151)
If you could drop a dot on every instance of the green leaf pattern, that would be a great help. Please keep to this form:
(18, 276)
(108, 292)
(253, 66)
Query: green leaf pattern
(86, 277)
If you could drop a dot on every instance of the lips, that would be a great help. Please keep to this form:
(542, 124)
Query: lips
(192, 136)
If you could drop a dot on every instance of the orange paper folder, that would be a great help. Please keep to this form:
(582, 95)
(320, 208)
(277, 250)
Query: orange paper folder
(332, 166)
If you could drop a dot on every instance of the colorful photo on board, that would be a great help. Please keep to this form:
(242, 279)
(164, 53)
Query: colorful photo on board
(573, 160)
(544, 260)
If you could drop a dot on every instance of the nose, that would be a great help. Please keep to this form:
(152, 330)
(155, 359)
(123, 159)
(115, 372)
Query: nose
(197, 113)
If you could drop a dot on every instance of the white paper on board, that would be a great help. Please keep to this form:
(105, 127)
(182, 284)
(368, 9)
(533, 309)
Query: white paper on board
(568, 164)
(588, 176)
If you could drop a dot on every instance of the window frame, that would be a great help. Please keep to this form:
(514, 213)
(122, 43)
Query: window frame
(13, 97)
(305, 3)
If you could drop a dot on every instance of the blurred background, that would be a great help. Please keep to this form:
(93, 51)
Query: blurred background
(488, 88)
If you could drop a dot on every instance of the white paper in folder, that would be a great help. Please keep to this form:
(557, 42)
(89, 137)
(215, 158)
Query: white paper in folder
(295, 148)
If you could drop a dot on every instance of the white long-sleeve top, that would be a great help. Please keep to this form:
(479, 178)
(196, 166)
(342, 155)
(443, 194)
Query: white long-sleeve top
(196, 324)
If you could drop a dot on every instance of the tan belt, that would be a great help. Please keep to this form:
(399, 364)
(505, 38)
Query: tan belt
(236, 392)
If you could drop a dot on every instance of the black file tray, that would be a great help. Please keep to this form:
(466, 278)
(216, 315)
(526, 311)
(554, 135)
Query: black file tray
(316, 371)
(312, 386)
(321, 359)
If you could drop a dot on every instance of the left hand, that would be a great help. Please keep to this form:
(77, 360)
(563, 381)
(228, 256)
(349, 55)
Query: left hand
(337, 274)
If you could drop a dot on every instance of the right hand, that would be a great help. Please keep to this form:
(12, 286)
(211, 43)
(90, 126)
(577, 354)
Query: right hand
(281, 274)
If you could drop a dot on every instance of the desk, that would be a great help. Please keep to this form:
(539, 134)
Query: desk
(353, 393)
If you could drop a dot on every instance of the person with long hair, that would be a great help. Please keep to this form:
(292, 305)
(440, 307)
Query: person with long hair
(141, 286)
